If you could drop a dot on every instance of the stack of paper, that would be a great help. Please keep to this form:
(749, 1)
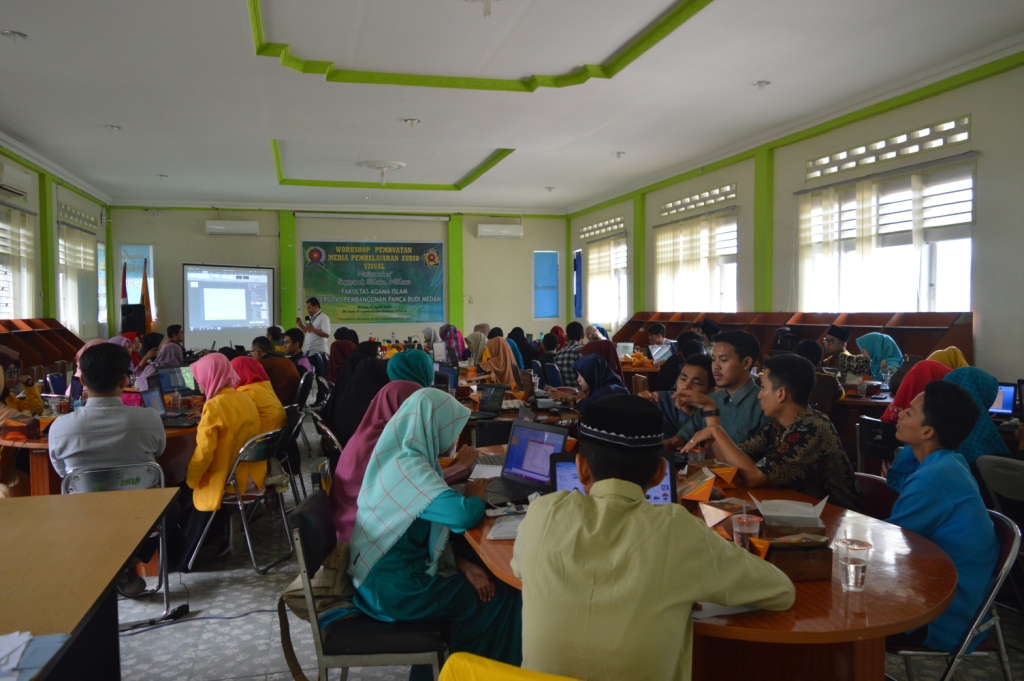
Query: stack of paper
(485, 471)
(11, 648)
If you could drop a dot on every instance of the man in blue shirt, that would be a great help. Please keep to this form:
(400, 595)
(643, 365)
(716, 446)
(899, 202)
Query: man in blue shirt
(941, 502)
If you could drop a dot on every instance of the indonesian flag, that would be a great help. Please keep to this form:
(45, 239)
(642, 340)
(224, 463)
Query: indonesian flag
(144, 299)
(124, 284)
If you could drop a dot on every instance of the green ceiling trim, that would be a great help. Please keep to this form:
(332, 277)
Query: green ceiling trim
(625, 56)
(30, 166)
(473, 175)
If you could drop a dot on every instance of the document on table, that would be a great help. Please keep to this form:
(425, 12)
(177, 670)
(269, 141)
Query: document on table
(715, 610)
(11, 648)
(485, 471)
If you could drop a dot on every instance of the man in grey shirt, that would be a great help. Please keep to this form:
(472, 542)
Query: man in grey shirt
(105, 432)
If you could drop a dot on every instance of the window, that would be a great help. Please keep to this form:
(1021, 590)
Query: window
(101, 286)
(577, 283)
(889, 245)
(699, 200)
(545, 284)
(607, 283)
(17, 264)
(695, 263)
(76, 268)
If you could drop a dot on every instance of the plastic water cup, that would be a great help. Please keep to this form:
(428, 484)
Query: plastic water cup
(853, 563)
(54, 404)
(744, 527)
(175, 400)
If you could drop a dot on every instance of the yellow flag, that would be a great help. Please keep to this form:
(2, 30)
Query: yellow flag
(145, 297)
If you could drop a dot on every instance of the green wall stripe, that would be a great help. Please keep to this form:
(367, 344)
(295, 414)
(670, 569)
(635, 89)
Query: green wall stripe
(287, 266)
(639, 252)
(625, 56)
(456, 275)
(764, 231)
(47, 245)
(32, 167)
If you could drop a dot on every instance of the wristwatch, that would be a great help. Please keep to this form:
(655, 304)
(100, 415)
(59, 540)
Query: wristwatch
(709, 413)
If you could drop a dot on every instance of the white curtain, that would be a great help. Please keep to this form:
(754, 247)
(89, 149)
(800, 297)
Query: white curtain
(606, 282)
(694, 264)
(76, 281)
(18, 289)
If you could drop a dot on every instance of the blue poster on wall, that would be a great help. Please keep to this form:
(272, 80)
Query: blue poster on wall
(134, 257)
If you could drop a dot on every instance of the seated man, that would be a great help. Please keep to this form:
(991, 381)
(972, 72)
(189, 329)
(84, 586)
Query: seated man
(284, 377)
(834, 346)
(695, 375)
(941, 502)
(734, 406)
(609, 579)
(570, 354)
(293, 339)
(827, 388)
(800, 449)
(175, 334)
(107, 433)
(276, 337)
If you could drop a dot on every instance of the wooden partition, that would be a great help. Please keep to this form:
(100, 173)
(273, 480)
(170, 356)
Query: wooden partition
(43, 345)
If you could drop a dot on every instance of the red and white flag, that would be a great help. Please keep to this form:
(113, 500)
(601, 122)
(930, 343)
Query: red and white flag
(124, 284)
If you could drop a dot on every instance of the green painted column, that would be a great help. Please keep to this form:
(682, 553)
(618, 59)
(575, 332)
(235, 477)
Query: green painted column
(47, 246)
(570, 308)
(287, 266)
(456, 279)
(764, 232)
(639, 253)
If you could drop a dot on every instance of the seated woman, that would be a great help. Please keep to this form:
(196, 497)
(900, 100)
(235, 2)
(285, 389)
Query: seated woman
(501, 363)
(596, 380)
(950, 357)
(347, 409)
(476, 343)
(605, 349)
(254, 382)
(882, 351)
(400, 560)
(13, 380)
(169, 355)
(559, 332)
(412, 365)
(526, 351)
(914, 383)
(452, 338)
(341, 349)
(148, 351)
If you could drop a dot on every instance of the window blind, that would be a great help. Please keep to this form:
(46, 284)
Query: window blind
(607, 284)
(695, 263)
(17, 264)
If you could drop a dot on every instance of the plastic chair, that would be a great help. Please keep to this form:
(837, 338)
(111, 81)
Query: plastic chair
(492, 432)
(878, 496)
(1008, 535)
(115, 479)
(538, 371)
(553, 375)
(259, 448)
(875, 438)
(58, 386)
(357, 641)
(469, 667)
(1003, 478)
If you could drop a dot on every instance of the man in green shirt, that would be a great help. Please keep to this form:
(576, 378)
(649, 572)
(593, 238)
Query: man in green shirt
(734, 406)
(609, 580)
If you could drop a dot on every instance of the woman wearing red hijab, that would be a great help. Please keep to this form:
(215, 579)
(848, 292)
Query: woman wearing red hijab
(560, 334)
(920, 375)
(605, 349)
(254, 382)
(340, 350)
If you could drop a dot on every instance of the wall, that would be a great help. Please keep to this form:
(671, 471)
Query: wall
(742, 174)
(179, 236)
(997, 235)
(625, 210)
(498, 273)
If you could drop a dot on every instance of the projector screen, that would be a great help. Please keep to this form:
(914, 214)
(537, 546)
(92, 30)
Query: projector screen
(226, 305)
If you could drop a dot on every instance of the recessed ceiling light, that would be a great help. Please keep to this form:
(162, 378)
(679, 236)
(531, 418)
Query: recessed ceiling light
(161, 177)
(619, 154)
(550, 189)
(411, 121)
(761, 84)
(113, 128)
(366, 197)
(16, 36)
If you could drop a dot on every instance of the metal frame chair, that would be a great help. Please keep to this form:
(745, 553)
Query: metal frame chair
(875, 438)
(296, 417)
(131, 477)
(878, 496)
(323, 388)
(553, 375)
(312, 531)
(1008, 535)
(301, 397)
(1003, 477)
(332, 446)
(260, 448)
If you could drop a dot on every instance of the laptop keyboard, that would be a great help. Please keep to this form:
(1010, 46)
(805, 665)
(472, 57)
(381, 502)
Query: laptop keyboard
(510, 489)
(490, 460)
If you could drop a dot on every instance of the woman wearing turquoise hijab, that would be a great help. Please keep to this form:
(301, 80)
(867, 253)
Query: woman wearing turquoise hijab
(985, 438)
(400, 561)
(412, 365)
(882, 351)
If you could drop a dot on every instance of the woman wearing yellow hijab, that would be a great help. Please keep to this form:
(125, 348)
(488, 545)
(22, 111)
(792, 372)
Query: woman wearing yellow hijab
(501, 363)
(950, 357)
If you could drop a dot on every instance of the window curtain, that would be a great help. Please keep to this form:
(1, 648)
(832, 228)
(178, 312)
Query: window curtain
(18, 289)
(606, 262)
(691, 263)
(76, 281)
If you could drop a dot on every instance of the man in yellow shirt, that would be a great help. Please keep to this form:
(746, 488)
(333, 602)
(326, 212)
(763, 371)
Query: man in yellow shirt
(609, 580)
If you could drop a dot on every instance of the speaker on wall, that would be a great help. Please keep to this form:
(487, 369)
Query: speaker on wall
(133, 318)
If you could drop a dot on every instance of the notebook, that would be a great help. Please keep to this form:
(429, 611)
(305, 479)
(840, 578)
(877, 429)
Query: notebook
(1005, 399)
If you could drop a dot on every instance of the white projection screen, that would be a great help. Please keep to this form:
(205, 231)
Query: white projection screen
(226, 304)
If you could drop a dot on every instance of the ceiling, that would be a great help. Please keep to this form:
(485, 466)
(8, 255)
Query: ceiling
(195, 103)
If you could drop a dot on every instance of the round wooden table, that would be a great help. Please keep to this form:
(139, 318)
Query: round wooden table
(827, 634)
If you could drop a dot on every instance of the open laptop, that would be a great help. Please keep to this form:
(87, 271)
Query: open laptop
(177, 380)
(453, 357)
(1002, 408)
(491, 397)
(527, 466)
(660, 353)
(624, 349)
(526, 379)
(154, 399)
(565, 478)
(439, 351)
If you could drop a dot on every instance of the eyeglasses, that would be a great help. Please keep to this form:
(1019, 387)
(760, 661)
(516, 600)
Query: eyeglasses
(12, 371)
(830, 341)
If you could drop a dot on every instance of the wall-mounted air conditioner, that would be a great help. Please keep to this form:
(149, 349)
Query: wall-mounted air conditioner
(232, 228)
(499, 231)
(14, 181)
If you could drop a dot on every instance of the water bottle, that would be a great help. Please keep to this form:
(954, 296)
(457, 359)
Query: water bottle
(394, 341)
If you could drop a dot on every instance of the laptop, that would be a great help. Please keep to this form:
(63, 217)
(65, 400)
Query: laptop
(491, 397)
(1002, 407)
(440, 351)
(527, 466)
(154, 399)
(565, 478)
(177, 380)
(526, 378)
(624, 349)
(660, 353)
(453, 357)
(450, 374)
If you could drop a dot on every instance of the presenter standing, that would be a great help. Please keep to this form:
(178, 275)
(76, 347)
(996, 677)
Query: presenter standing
(317, 329)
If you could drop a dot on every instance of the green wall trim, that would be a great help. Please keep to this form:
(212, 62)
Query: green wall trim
(47, 246)
(525, 216)
(287, 267)
(639, 252)
(32, 167)
(624, 56)
(494, 159)
(764, 231)
(456, 275)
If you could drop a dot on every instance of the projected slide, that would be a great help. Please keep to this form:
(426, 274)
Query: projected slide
(227, 305)
(224, 304)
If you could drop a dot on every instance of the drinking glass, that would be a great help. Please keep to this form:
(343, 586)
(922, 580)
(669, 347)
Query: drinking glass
(853, 563)
(744, 527)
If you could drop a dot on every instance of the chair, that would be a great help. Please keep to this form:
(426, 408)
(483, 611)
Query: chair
(878, 496)
(57, 384)
(538, 371)
(640, 384)
(1008, 535)
(1004, 480)
(117, 478)
(323, 389)
(288, 449)
(329, 443)
(358, 641)
(553, 375)
(469, 667)
(875, 438)
(301, 397)
(492, 432)
(259, 448)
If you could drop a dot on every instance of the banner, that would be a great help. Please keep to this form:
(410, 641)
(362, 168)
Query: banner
(361, 282)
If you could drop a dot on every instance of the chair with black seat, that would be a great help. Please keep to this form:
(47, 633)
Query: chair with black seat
(877, 495)
(301, 398)
(357, 641)
(877, 439)
(260, 448)
(288, 449)
(1003, 479)
(329, 443)
(323, 389)
(538, 371)
(553, 375)
(492, 432)
(1008, 535)
(119, 478)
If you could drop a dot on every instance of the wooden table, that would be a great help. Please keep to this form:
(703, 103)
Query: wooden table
(828, 634)
(181, 443)
(91, 536)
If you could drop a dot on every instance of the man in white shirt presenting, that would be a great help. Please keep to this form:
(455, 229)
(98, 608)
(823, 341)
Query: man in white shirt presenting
(318, 330)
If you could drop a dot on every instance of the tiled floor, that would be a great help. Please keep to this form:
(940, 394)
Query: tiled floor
(250, 647)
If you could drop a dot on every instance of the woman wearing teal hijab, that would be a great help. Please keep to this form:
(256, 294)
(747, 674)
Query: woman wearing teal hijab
(400, 560)
(985, 438)
(882, 351)
(412, 365)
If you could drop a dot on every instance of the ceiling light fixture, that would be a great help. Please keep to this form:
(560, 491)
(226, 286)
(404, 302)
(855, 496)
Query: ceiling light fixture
(619, 154)
(16, 36)
(113, 128)
(161, 177)
(487, 6)
(550, 189)
(382, 166)
(761, 84)
(366, 197)
(411, 121)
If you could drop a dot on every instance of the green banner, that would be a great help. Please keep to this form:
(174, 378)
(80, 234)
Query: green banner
(360, 282)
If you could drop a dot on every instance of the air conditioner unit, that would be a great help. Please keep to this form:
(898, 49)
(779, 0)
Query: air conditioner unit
(232, 228)
(14, 180)
(499, 231)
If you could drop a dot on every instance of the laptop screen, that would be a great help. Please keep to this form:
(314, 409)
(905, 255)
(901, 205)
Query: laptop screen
(567, 478)
(1004, 400)
(491, 397)
(452, 375)
(624, 349)
(154, 400)
(440, 352)
(660, 352)
(176, 379)
(530, 450)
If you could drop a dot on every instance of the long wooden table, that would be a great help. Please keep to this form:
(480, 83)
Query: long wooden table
(92, 536)
(827, 634)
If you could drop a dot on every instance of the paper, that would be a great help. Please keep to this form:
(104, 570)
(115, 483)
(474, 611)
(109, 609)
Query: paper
(715, 610)
(11, 648)
(481, 471)
(713, 515)
(506, 527)
(783, 512)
